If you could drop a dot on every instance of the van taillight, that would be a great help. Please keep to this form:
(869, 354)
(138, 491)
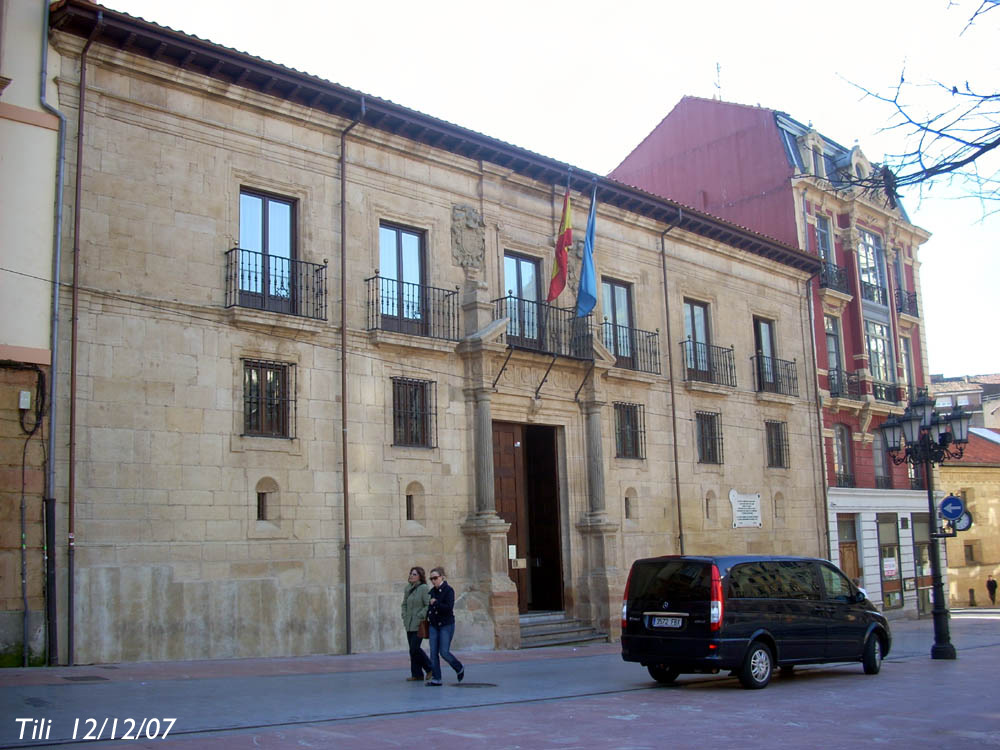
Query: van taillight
(715, 606)
(628, 582)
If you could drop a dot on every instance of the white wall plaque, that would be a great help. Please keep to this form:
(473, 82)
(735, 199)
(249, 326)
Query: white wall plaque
(746, 510)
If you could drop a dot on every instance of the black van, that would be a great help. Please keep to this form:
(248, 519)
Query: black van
(748, 614)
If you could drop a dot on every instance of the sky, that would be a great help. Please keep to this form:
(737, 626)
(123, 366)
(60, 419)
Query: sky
(585, 82)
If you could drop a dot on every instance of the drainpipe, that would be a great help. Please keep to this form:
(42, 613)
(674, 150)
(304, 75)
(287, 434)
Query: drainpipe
(821, 463)
(343, 375)
(670, 365)
(74, 329)
(49, 554)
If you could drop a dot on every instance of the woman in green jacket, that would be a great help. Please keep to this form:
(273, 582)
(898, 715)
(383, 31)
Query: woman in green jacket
(416, 597)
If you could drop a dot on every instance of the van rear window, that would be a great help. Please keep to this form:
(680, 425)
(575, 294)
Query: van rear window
(673, 580)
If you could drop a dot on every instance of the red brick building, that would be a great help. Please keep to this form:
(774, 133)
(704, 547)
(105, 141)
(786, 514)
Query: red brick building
(765, 170)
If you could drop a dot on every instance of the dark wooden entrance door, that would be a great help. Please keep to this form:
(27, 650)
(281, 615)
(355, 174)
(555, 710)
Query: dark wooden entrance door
(512, 507)
(526, 494)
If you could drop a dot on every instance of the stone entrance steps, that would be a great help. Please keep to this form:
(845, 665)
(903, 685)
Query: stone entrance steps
(540, 629)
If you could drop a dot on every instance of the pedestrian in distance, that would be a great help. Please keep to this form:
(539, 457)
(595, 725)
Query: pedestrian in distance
(441, 616)
(416, 599)
(991, 588)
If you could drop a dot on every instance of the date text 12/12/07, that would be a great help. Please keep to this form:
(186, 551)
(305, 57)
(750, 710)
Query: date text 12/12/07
(122, 729)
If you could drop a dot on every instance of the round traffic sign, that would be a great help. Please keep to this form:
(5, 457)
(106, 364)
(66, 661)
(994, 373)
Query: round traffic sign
(952, 507)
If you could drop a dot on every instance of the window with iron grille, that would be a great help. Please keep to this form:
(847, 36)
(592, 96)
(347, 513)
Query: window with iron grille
(414, 405)
(709, 434)
(630, 431)
(268, 398)
(777, 444)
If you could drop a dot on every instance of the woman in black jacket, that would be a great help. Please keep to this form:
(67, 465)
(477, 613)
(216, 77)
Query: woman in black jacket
(441, 616)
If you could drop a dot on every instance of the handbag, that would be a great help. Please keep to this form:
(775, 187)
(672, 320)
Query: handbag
(423, 629)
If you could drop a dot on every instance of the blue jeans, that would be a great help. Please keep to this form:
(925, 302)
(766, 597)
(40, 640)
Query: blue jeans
(440, 639)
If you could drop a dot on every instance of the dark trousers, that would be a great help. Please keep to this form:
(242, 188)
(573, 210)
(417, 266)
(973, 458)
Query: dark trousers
(440, 639)
(419, 663)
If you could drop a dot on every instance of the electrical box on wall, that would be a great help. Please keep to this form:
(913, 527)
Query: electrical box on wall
(24, 400)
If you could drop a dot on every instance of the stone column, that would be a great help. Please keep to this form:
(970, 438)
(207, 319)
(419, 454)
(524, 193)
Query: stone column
(494, 595)
(600, 580)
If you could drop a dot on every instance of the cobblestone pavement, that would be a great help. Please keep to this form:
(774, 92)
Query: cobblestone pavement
(563, 698)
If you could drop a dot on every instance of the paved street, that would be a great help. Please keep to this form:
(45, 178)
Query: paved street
(563, 698)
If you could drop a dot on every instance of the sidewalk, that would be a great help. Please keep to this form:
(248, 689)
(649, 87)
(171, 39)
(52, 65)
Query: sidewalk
(214, 696)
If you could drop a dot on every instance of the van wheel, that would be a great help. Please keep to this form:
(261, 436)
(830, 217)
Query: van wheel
(663, 675)
(758, 666)
(872, 657)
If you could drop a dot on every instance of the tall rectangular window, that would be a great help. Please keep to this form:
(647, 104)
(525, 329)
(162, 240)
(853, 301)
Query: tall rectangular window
(522, 286)
(697, 354)
(267, 252)
(708, 426)
(414, 412)
(843, 456)
(401, 278)
(877, 343)
(630, 431)
(268, 398)
(776, 434)
(871, 267)
(616, 302)
(823, 244)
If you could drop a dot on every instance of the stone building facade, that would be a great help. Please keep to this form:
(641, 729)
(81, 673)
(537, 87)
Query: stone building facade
(974, 554)
(312, 353)
(795, 184)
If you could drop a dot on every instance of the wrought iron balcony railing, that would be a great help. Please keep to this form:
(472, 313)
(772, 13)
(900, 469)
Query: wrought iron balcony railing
(906, 303)
(775, 375)
(874, 293)
(415, 309)
(275, 284)
(540, 327)
(708, 364)
(844, 384)
(633, 349)
(832, 276)
(844, 479)
(887, 392)
(917, 482)
(883, 483)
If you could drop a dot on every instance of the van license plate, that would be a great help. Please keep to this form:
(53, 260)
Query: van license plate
(666, 622)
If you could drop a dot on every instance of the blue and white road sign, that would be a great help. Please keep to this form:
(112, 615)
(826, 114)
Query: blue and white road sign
(952, 508)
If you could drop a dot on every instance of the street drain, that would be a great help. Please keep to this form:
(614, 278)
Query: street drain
(475, 684)
(86, 678)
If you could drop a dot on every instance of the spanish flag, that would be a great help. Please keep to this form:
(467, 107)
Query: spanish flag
(563, 241)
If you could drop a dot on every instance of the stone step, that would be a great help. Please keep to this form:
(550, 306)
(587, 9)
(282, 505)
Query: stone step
(540, 629)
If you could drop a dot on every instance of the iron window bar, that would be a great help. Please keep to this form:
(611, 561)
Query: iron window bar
(777, 444)
(709, 437)
(414, 412)
(630, 430)
(268, 398)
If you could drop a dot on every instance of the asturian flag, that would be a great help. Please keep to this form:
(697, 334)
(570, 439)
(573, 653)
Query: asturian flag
(586, 296)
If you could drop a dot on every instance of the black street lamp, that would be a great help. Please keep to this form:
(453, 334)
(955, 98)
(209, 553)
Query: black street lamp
(924, 438)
